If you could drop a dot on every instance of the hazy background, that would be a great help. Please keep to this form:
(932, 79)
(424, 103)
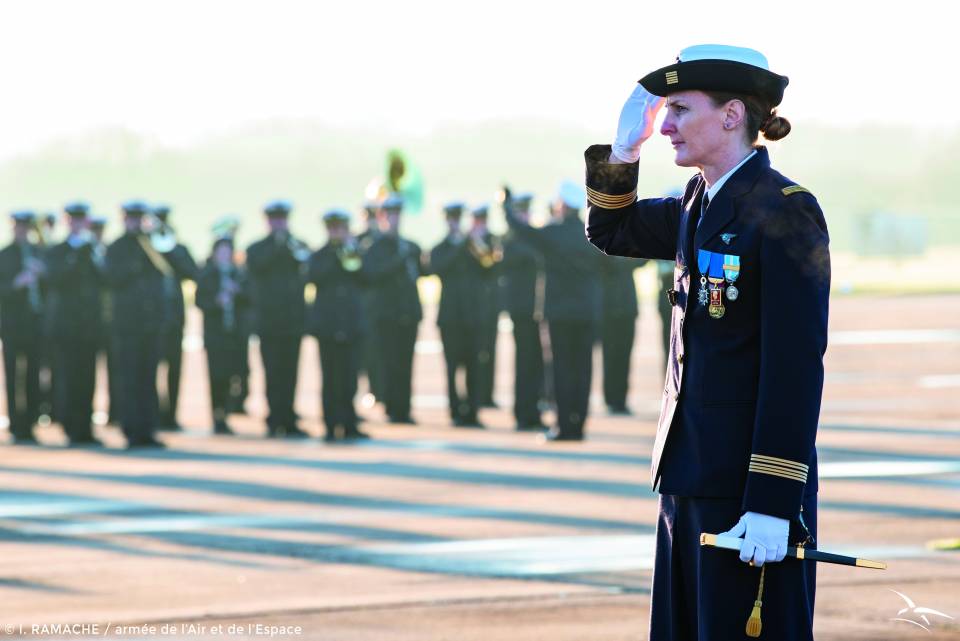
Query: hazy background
(216, 107)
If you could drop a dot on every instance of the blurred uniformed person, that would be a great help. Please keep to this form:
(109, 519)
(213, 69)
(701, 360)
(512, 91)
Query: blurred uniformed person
(571, 305)
(97, 225)
(458, 316)
(277, 269)
(136, 272)
(22, 298)
(338, 321)
(521, 269)
(223, 297)
(370, 361)
(617, 328)
(664, 306)
(171, 336)
(76, 280)
(735, 444)
(392, 266)
(488, 252)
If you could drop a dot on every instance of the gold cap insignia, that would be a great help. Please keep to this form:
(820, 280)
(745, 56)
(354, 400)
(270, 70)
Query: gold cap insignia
(672, 78)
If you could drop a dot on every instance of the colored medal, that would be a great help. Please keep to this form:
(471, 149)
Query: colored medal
(716, 279)
(703, 264)
(731, 271)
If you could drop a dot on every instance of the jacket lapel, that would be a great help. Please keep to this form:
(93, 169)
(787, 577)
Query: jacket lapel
(721, 210)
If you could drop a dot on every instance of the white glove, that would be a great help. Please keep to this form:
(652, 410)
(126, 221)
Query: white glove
(636, 123)
(764, 537)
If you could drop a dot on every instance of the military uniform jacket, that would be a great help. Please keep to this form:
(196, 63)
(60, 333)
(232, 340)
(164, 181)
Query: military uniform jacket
(572, 267)
(618, 289)
(76, 283)
(16, 316)
(184, 268)
(391, 267)
(208, 289)
(277, 282)
(520, 269)
(337, 310)
(468, 293)
(136, 287)
(742, 396)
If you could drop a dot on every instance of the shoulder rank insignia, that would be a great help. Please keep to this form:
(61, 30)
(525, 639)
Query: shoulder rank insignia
(795, 189)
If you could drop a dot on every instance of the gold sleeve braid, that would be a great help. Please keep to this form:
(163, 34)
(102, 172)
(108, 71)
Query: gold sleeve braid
(775, 466)
(608, 201)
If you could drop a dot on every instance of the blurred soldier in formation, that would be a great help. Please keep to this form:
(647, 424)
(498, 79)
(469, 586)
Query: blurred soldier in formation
(171, 334)
(337, 320)
(488, 252)
(370, 358)
(665, 278)
(76, 280)
(97, 225)
(22, 297)
(136, 273)
(223, 296)
(521, 268)
(461, 274)
(392, 266)
(571, 304)
(277, 266)
(617, 328)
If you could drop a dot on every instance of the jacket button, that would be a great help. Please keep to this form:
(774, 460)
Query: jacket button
(680, 358)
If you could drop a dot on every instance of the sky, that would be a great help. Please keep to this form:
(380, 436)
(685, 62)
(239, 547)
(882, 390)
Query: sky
(181, 71)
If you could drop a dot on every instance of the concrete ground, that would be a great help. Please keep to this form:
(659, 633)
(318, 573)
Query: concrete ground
(430, 532)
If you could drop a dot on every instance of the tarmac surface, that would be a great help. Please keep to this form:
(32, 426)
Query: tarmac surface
(430, 532)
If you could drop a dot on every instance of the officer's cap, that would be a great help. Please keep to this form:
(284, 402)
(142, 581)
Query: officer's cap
(161, 211)
(50, 217)
(77, 208)
(23, 216)
(277, 208)
(134, 208)
(98, 221)
(333, 216)
(572, 194)
(718, 68)
(454, 208)
(523, 198)
(392, 201)
(480, 211)
(226, 226)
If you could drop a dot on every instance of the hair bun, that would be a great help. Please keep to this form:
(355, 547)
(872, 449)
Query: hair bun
(775, 127)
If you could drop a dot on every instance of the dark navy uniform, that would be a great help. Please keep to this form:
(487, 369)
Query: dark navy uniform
(466, 296)
(135, 273)
(742, 395)
(520, 272)
(171, 335)
(76, 280)
(276, 266)
(617, 328)
(21, 326)
(370, 360)
(391, 267)
(572, 310)
(338, 321)
(224, 334)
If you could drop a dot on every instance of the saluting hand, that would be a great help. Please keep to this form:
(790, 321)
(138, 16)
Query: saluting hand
(636, 124)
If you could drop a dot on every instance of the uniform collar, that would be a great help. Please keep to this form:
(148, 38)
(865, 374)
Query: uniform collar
(738, 182)
(716, 186)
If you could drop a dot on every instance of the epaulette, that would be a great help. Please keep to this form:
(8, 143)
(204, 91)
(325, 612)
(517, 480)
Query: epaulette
(795, 189)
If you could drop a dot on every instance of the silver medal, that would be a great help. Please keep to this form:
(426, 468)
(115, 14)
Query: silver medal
(732, 292)
(703, 297)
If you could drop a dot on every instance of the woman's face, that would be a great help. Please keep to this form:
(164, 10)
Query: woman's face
(695, 128)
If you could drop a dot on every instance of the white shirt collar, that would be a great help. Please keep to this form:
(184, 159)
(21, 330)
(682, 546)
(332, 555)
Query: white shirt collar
(715, 187)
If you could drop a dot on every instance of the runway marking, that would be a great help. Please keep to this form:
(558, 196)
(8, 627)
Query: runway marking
(886, 469)
(894, 337)
(940, 382)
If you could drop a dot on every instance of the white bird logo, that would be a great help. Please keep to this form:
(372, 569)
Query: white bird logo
(914, 610)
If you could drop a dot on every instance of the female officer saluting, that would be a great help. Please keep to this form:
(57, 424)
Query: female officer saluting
(735, 442)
